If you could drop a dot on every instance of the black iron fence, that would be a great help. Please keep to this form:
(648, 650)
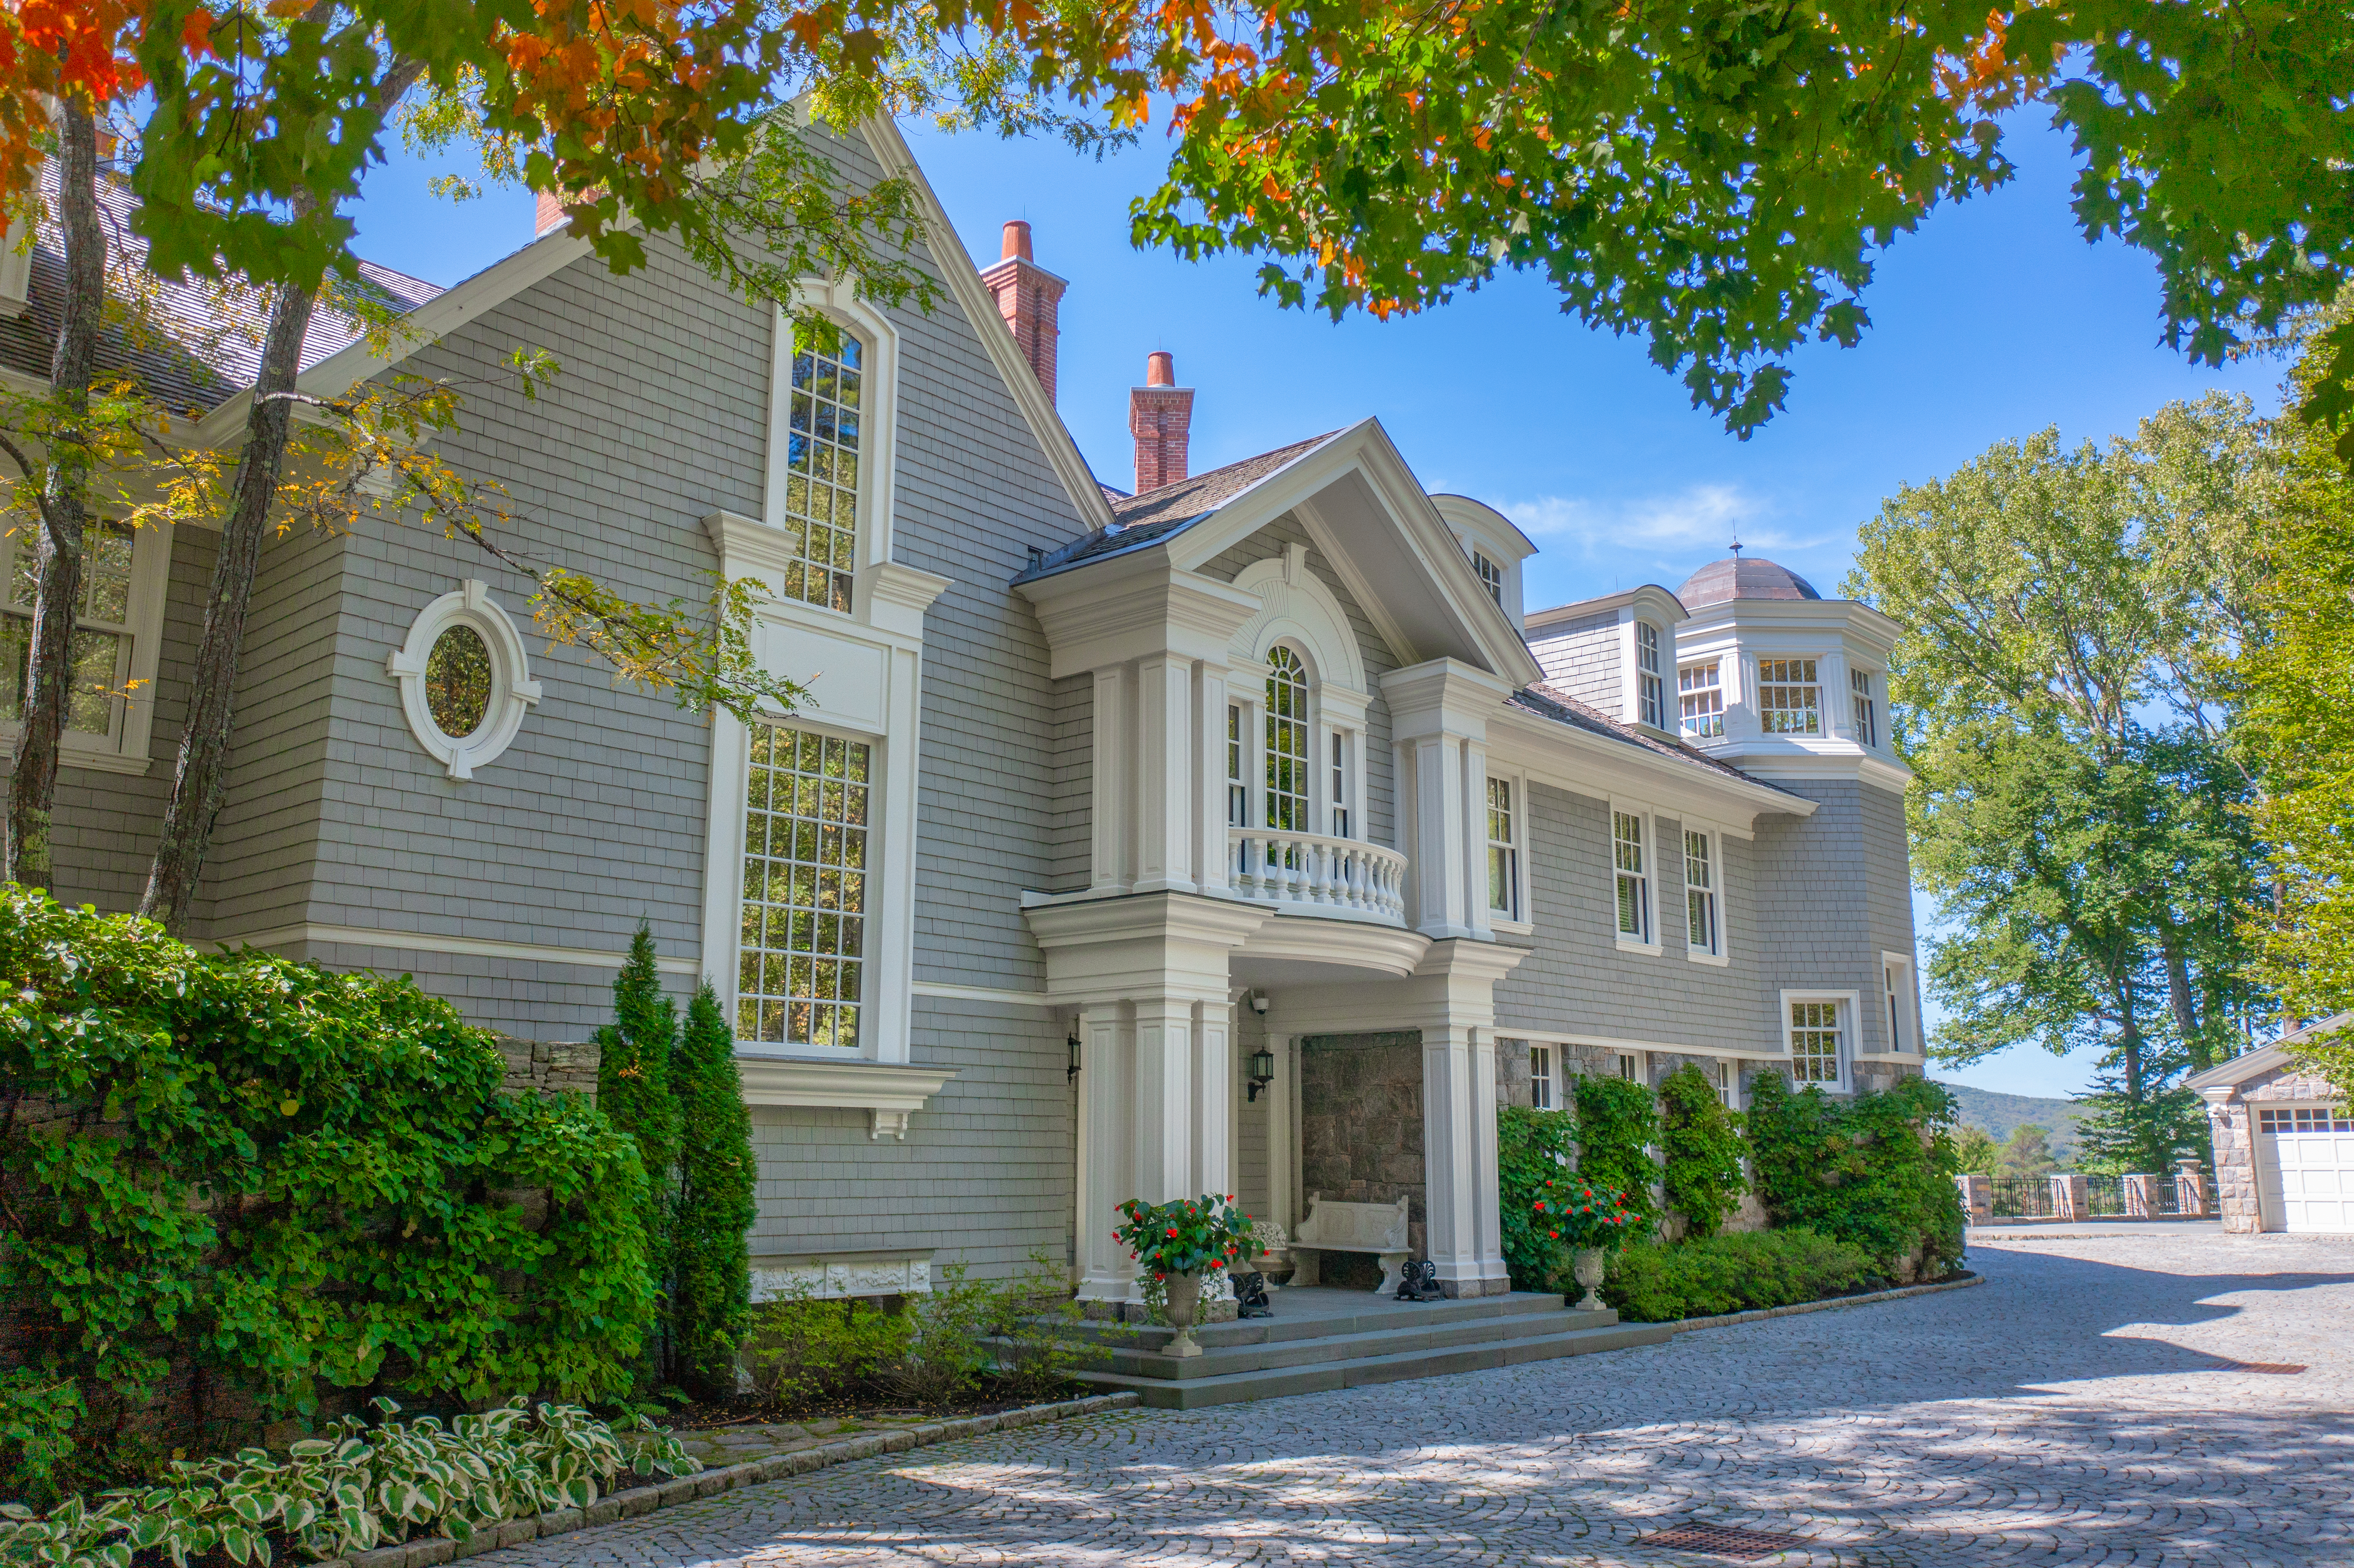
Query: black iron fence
(2024, 1198)
(2141, 1197)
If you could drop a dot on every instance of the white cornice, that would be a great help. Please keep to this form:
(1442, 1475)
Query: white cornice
(1570, 758)
(1442, 697)
(973, 298)
(887, 1094)
(1133, 607)
(901, 594)
(1778, 759)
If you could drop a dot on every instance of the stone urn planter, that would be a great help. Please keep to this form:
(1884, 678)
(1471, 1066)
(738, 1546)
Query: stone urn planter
(1587, 1265)
(1183, 1299)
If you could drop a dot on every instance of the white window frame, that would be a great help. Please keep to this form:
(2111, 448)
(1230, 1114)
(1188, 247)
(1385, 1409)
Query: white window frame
(1651, 684)
(123, 747)
(1518, 920)
(1688, 694)
(878, 342)
(1713, 838)
(1341, 804)
(1900, 1007)
(865, 1001)
(1630, 1066)
(1544, 1086)
(513, 691)
(1491, 575)
(1648, 940)
(1865, 708)
(1760, 684)
(1848, 1001)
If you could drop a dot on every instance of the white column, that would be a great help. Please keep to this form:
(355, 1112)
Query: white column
(1475, 837)
(1164, 784)
(1451, 1157)
(1438, 831)
(1108, 816)
(1106, 1150)
(1165, 1101)
(1213, 1091)
(1210, 778)
(1282, 1143)
(1488, 1239)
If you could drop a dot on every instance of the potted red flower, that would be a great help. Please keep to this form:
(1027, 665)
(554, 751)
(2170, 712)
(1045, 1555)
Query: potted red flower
(1180, 1242)
(1588, 1220)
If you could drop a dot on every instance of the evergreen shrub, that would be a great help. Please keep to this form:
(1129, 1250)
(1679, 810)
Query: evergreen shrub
(1533, 1153)
(1617, 1127)
(1875, 1170)
(1701, 1142)
(710, 1283)
(237, 1188)
(1742, 1272)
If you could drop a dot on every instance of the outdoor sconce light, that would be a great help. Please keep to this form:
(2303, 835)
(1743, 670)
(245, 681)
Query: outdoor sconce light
(1073, 1070)
(1262, 1070)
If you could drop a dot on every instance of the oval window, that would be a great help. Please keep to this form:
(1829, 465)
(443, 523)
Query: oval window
(458, 682)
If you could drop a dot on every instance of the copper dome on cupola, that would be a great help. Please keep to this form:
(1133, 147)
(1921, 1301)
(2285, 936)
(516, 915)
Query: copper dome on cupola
(1743, 576)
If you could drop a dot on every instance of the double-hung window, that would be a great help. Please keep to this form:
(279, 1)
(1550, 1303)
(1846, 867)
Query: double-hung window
(100, 648)
(1340, 743)
(1633, 875)
(1700, 698)
(1789, 699)
(804, 948)
(1540, 1086)
(1649, 692)
(821, 478)
(1503, 850)
(1491, 577)
(1701, 938)
(1287, 742)
(1867, 713)
(1896, 978)
(1238, 791)
(1816, 1035)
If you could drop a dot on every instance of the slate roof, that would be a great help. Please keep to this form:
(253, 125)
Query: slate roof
(199, 341)
(1546, 702)
(1155, 515)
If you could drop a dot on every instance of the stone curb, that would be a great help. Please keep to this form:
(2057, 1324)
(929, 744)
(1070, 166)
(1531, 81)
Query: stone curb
(629, 1504)
(1726, 1320)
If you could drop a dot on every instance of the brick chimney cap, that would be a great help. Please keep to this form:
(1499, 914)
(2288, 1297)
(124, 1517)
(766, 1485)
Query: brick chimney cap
(1161, 368)
(1017, 240)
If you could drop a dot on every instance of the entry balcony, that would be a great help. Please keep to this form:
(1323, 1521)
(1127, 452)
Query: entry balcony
(1310, 873)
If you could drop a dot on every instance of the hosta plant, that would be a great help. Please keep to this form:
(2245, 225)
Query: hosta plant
(356, 1488)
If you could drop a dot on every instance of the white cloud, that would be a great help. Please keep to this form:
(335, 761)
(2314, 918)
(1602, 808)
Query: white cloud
(1706, 517)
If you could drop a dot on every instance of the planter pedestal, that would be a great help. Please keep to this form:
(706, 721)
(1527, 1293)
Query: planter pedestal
(1184, 1298)
(1587, 1265)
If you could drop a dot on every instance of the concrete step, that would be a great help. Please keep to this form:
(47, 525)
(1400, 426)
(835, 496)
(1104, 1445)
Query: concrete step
(1362, 1313)
(1398, 1334)
(1315, 1377)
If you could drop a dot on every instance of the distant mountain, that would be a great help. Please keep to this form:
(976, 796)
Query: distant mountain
(1995, 1114)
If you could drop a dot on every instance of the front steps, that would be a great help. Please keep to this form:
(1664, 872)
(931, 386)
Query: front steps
(1322, 1338)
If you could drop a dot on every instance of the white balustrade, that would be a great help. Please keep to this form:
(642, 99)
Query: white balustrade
(1348, 876)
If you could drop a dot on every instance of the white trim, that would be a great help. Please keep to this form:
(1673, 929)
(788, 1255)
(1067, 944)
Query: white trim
(1623, 1046)
(1651, 943)
(1520, 920)
(878, 423)
(1300, 609)
(1905, 1043)
(428, 942)
(887, 1094)
(124, 747)
(16, 272)
(1722, 955)
(1850, 1030)
(983, 993)
(513, 691)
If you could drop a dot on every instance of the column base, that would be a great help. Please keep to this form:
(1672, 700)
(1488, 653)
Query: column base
(1468, 1289)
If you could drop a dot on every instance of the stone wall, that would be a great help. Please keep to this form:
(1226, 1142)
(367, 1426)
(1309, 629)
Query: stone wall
(551, 1067)
(1361, 1126)
(2232, 1124)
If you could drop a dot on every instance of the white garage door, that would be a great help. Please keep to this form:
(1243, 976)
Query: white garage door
(2305, 1164)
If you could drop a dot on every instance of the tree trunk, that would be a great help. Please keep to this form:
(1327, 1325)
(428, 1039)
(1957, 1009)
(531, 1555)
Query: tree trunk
(49, 689)
(202, 771)
(2178, 999)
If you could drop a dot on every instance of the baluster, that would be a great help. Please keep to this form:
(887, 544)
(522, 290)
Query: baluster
(1327, 881)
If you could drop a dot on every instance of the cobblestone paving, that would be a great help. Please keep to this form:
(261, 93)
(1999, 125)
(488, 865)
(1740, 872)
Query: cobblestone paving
(2086, 1405)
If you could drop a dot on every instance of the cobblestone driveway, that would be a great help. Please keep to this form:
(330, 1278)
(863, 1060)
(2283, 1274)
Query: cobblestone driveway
(2084, 1405)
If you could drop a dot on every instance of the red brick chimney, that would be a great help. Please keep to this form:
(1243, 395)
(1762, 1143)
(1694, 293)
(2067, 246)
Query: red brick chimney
(1027, 297)
(1159, 414)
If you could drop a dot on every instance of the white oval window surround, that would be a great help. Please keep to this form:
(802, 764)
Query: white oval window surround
(465, 682)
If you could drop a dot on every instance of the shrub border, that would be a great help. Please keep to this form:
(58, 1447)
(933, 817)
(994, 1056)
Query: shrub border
(1726, 1320)
(629, 1504)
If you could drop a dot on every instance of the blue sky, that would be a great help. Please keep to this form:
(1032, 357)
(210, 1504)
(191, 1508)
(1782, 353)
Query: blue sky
(1993, 321)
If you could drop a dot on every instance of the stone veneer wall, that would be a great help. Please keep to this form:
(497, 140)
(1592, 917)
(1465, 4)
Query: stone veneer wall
(551, 1067)
(1360, 1127)
(2233, 1127)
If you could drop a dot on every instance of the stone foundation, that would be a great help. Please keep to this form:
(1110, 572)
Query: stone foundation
(1361, 1126)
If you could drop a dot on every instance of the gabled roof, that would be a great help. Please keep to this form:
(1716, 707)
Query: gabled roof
(1548, 703)
(1157, 514)
(2268, 1058)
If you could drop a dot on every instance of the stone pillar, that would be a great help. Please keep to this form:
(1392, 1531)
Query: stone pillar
(2071, 1198)
(2232, 1123)
(2141, 1197)
(2190, 1186)
(1977, 1198)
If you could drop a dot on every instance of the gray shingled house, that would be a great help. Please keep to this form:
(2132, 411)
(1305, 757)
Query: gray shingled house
(1244, 833)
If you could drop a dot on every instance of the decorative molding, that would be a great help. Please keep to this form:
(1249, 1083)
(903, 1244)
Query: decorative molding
(887, 1093)
(1297, 604)
(983, 993)
(878, 418)
(124, 747)
(1612, 1043)
(429, 942)
(831, 1279)
(513, 691)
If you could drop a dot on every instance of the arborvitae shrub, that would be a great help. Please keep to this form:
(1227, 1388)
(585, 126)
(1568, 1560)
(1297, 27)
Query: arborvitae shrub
(1701, 1141)
(634, 1091)
(1618, 1127)
(710, 1297)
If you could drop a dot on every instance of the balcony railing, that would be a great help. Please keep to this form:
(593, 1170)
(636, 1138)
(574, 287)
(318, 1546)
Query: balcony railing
(1324, 875)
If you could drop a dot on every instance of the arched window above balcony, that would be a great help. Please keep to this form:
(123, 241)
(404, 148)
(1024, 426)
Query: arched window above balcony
(1288, 751)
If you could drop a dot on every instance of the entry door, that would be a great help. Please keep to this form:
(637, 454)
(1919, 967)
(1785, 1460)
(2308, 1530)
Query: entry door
(2304, 1165)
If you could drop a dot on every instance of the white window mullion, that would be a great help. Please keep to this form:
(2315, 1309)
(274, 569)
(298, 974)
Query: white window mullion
(1631, 878)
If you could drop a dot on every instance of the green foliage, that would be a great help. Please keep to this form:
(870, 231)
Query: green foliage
(286, 1183)
(1701, 1142)
(1617, 1127)
(1975, 1151)
(1184, 1236)
(1875, 1170)
(2026, 1152)
(710, 1295)
(1532, 1152)
(38, 1413)
(635, 1094)
(2117, 1133)
(1586, 1216)
(1741, 1272)
(1032, 1322)
(355, 1489)
(803, 1350)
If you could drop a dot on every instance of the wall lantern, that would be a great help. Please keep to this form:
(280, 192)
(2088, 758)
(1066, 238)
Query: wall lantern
(1262, 1070)
(1073, 1070)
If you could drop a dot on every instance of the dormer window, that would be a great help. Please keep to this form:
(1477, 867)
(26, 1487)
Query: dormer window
(1789, 699)
(1491, 577)
(821, 478)
(1699, 699)
(1867, 714)
(1649, 690)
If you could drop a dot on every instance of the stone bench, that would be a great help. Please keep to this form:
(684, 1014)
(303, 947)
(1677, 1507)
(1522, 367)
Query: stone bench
(1376, 1228)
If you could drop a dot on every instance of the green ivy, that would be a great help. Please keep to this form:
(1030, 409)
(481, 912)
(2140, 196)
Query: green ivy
(1701, 1141)
(1875, 1170)
(1533, 1151)
(1617, 1127)
(232, 1185)
(710, 1294)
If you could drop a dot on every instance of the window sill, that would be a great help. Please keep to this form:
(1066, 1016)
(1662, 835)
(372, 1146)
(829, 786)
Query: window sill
(1911, 1056)
(101, 762)
(888, 1092)
(1628, 945)
(1699, 957)
(1511, 927)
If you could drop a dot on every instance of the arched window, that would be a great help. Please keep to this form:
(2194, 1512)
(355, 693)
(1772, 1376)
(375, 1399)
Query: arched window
(821, 483)
(1286, 741)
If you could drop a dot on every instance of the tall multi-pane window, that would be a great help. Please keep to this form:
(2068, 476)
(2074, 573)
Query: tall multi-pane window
(1634, 879)
(1867, 713)
(1649, 689)
(1286, 741)
(1491, 578)
(1815, 1042)
(1540, 1094)
(1700, 698)
(821, 483)
(1722, 1072)
(1895, 1009)
(1503, 850)
(1699, 893)
(1237, 789)
(1788, 701)
(805, 866)
(1626, 1068)
(1339, 785)
(100, 649)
